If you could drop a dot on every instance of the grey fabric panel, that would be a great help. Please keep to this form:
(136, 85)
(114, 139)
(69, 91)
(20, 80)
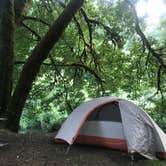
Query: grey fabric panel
(105, 129)
(107, 112)
(138, 132)
(160, 142)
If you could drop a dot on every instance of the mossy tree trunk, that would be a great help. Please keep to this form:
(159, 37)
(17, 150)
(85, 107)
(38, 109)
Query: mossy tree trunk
(6, 52)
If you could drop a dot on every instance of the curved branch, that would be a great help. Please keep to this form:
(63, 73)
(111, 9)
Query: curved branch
(159, 89)
(35, 19)
(86, 68)
(114, 37)
(32, 31)
(64, 82)
(145, 41)
(80, 32)
(88, 24)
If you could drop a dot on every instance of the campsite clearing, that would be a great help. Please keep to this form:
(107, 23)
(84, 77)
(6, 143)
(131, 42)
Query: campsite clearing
(38, 149)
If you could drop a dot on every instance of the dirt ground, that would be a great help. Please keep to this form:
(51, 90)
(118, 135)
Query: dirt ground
(38, 149)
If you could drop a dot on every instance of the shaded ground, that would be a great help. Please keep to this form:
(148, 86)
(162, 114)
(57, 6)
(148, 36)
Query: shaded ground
(38, 149)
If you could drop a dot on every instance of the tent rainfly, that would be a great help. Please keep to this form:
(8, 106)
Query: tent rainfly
(114, 123)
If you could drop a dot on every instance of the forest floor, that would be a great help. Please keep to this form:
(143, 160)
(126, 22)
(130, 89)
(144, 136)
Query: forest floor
(38, 149)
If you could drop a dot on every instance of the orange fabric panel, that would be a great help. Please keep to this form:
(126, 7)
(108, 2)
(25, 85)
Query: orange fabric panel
(60, 141)
(161, 155)
(112, 143)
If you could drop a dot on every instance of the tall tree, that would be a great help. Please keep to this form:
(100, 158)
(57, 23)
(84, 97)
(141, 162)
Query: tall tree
(32, 66)
(7, 21)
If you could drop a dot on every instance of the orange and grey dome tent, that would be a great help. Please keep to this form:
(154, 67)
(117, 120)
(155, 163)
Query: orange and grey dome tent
(114, 123)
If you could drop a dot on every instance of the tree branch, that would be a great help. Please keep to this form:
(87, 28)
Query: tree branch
(88, 24)
(64, 82)
(76, 65)
(159, 89)
(35, 19)
(145, 41)
(151, 51)
(113, 36)
(80, 32)
(32, 31)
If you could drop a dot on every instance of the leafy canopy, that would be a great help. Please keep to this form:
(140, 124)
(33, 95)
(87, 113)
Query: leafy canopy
(100, 53)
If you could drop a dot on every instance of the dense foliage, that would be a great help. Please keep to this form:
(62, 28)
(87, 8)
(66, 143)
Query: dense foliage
(101, 56)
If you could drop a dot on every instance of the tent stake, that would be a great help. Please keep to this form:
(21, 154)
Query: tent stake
(67, 150)
(132, 160)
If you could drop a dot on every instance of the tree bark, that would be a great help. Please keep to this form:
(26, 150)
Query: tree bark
(32, 66)
(6, 52)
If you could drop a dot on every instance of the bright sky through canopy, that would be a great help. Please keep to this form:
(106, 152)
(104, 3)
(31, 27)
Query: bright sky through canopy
(153, 9)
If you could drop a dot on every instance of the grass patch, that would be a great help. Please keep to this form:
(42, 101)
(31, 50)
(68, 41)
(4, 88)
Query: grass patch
(155, 163)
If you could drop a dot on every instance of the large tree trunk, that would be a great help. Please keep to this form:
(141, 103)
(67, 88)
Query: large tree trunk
(32, 66)
(6, 52)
